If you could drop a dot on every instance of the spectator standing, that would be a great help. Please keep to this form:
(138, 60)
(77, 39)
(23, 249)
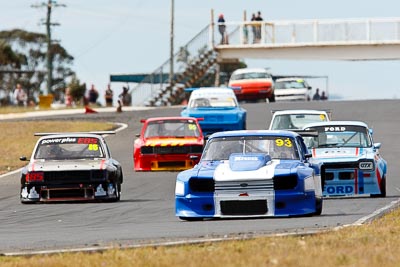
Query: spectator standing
(93, 95)
(20, 97)
(316, 96)
(109, 94)
(125, 97)
(254, 28)
(222, 29)
(3, 97)
(323, 96)
(258, 29)
(68, 97)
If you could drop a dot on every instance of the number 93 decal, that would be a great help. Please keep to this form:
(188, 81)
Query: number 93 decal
(283, 142)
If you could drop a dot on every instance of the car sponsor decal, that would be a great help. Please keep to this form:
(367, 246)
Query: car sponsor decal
(71, 140)
(283, 142)
(192, 127)
(339, 189)
(335, 152)
(322, 117)
(335, 129)
(169, 142)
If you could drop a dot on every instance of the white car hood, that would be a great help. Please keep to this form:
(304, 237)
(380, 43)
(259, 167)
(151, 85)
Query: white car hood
(283, 92)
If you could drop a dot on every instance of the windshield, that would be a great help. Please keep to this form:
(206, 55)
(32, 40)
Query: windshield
(339, 136)
(176, 128)
(275, 146)
(290, 85)
(251, 75)
(220, 101)
(69, 148)
(295, 121)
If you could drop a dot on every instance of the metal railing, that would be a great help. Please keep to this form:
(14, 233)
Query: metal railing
(186, 54)
(314, 32)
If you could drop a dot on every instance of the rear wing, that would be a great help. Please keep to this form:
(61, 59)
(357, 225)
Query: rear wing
(92, 132)
(328, 111)
(191, 89)
(305, 133)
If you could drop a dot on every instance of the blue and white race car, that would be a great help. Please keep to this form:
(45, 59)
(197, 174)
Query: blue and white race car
(218, 107)
(350, 161)
(257, 173)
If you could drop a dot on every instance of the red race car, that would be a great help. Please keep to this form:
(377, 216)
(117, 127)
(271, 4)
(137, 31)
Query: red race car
(168, 144)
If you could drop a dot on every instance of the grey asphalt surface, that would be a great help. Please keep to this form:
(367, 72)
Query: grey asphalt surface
(146, 211)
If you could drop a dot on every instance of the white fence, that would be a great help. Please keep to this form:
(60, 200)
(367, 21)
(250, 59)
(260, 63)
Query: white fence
(312, 32)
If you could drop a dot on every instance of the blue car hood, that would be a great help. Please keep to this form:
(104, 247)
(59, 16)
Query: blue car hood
(260, 168)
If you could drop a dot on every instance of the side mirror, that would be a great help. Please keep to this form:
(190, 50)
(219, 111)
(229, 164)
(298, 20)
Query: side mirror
(193, 157)
(23, 158)
(137, 135)
(185, 107)
(309, 88)
(377, 145)
(308, 155)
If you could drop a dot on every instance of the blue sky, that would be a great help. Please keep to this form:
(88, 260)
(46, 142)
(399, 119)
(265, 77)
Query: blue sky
(132, 36)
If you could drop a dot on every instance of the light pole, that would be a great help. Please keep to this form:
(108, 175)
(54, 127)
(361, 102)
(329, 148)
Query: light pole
(171, 50)
(49, 56)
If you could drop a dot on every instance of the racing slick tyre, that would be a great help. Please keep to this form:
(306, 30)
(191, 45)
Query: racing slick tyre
(318, 206)
(272, 98)
(28, 202)
(117, 186)
(382, 187)
(118, 191)
(191, 219)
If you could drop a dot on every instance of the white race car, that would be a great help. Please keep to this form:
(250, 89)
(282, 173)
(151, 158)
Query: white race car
(71, 167)
(297, 119)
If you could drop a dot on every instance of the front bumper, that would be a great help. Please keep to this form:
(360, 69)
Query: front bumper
(70, 192)
(281, 203)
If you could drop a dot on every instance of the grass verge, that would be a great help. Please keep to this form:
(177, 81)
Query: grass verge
(17, 139)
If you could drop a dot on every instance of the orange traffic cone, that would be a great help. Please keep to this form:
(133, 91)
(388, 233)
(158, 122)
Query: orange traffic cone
(89, 110)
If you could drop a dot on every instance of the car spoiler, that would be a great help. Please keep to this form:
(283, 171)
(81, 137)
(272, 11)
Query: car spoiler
(328, 111)
(305, 133)
(92, 132)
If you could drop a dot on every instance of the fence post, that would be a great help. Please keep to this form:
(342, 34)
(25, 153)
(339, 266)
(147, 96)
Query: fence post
(211, 31)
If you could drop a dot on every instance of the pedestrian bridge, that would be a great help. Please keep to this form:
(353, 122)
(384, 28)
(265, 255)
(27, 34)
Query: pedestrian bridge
(319, 39)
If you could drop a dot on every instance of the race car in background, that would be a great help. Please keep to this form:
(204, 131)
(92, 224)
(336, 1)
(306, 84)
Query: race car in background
(71, 167)
(218, 107)
(292, 89)
(350, 161)
(296, 119)
(254, 173)
(253, 84)
(168, 144)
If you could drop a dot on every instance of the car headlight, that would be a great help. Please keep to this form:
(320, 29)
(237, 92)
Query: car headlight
(180, 188)
(309, 184)
(366, 165)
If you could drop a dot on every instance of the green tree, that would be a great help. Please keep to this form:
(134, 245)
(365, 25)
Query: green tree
(77, 89)
(26, 52)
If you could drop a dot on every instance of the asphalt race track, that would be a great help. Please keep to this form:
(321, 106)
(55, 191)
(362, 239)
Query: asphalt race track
(145, 213)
